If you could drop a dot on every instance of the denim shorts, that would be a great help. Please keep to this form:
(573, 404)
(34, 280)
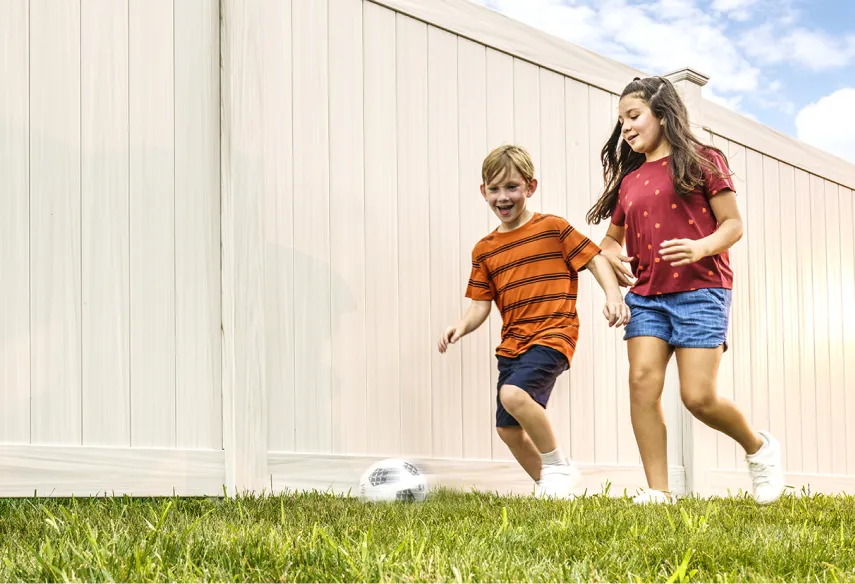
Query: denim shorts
(691, 320)
(535, 372)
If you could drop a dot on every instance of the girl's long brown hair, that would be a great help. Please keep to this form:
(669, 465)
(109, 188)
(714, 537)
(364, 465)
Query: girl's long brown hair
(687, 159)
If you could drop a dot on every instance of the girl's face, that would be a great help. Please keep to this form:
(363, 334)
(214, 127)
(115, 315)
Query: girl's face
(641, 129)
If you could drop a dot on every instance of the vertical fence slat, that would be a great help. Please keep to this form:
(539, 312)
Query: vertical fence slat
(381, 233)
(790, 222)
(500, 130)
(807, 370)
(347, 229)
(445, 257)
(55, 268)
(822, 367)
(312, 319)
(552, 191)
(475, 350)
(105, 222)
(15, 224)
(586, 184)
(413, 229)
(277, 159)
(198, 358)
(152, 222)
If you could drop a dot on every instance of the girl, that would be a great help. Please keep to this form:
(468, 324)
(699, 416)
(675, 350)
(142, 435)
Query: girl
(671, 198)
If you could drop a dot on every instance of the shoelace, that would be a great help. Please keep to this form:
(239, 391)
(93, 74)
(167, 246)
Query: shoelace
(651, 495)
(759, 472)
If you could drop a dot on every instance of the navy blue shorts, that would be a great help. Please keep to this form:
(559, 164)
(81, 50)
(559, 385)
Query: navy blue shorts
(694, 320)
(535, 372)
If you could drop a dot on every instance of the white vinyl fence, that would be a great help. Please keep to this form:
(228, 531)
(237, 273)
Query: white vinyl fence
(232, 232)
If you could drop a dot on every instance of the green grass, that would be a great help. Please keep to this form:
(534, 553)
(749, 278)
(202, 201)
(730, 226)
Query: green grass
(451, 537)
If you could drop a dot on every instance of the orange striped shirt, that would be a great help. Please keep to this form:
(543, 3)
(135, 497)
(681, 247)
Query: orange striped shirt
(532, 275)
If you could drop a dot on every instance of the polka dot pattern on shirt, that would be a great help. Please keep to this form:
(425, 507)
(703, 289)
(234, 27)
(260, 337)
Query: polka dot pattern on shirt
(662, 215)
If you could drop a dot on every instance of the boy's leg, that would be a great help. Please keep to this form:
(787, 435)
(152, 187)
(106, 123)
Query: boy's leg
(525, 384)
(556, 476)
(530, 415)
(648, 361)
(523, 449)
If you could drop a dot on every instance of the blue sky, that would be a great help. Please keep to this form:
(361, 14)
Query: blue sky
(789, 64)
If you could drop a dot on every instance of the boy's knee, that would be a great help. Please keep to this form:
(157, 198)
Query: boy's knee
(513, 398)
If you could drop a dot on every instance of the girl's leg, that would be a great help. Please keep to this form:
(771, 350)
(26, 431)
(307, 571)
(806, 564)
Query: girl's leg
(698, 376)
(522, 448)
(648, 360)
(698, 371)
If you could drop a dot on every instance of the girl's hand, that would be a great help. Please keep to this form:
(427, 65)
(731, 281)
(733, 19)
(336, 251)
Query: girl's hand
(681, 252)
(449, 337)
(616, 312)
(622, 272)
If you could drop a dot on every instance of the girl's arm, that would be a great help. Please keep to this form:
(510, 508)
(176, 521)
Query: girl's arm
(612, 246)
(681, 252)
(475, 316)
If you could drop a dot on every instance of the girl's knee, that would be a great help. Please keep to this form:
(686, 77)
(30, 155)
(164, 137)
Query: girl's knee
(698, 401)
(645, 385)
(644, 376)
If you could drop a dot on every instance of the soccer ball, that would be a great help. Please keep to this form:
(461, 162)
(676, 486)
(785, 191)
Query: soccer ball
(393, 479)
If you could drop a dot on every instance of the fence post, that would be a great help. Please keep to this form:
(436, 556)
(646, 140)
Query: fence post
(699, 441)
(242, 233)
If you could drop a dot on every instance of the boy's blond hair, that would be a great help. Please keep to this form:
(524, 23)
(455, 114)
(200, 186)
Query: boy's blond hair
(504, 159)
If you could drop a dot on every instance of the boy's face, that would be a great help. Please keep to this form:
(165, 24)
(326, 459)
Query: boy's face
(506, 194)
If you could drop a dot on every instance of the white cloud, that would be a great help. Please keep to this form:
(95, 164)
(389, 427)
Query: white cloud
(575, 23)
(731, 103)
(711, 36)
(809, 48)
(828, 124)
(658, 36)
(740, 10)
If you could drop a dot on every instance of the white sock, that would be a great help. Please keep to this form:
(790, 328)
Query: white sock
(553, 458)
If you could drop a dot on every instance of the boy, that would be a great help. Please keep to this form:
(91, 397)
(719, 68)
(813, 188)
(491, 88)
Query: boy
(529, 266)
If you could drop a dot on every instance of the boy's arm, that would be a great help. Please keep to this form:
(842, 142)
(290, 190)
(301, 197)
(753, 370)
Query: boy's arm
(612, 246)
(581, 253)
(615, 310)
(474, 317)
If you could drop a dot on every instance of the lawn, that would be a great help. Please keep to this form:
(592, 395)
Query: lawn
(451, 537)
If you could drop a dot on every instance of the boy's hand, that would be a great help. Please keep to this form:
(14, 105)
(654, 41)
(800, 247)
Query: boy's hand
(682, 252)
(449, 337)
(616, 312)
(622, 272)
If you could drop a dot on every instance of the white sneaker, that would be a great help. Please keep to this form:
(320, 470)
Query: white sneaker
(557, 481)
(767, 473)
(648, 496)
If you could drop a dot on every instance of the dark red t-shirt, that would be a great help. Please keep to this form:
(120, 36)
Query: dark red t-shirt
(652, 213)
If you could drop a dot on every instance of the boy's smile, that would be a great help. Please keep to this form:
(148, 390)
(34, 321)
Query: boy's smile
(506, 194)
